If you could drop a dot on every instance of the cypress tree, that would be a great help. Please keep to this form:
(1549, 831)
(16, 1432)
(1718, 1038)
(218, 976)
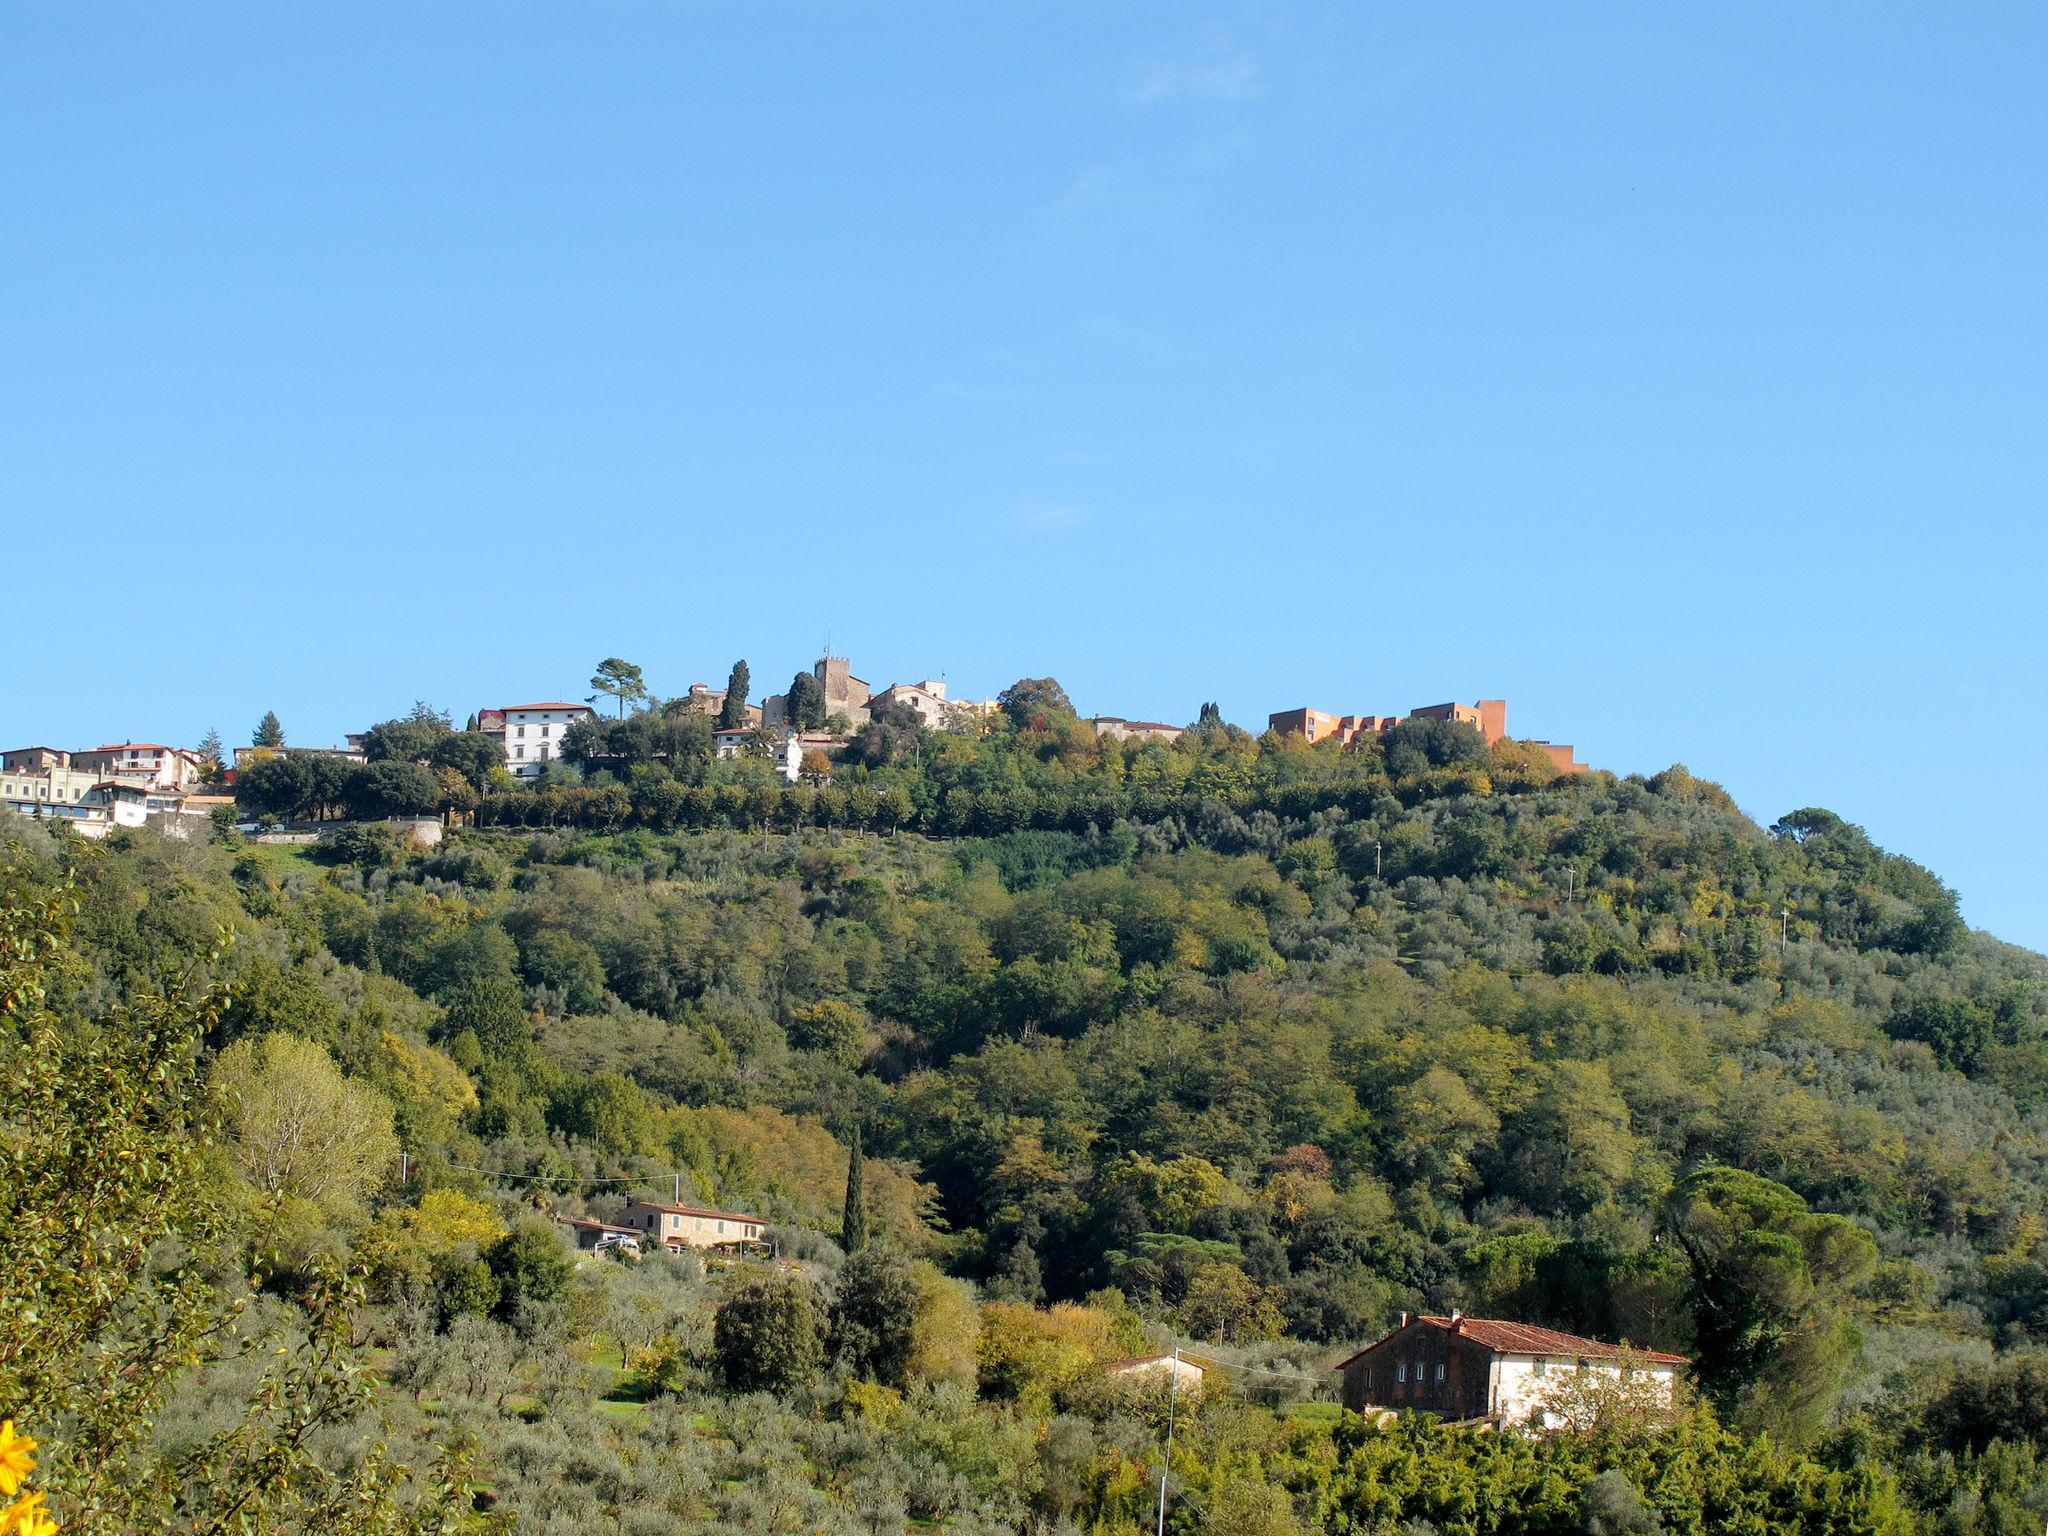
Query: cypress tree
(853, 1225)
(734, 710)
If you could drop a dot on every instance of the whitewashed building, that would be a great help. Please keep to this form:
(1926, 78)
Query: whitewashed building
(533, 733)
(1470, 1368)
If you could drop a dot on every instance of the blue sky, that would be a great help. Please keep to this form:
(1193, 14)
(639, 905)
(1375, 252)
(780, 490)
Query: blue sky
(1674, 372)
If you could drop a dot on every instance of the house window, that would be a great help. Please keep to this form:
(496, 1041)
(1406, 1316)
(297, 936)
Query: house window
(1542, 1366)
(543, 730)
(519, 751)
(1439, 1370)
(1401, 1370)
(522, 730)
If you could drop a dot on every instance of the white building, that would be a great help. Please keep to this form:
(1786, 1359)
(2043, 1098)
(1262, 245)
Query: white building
(1117, 727)
(533, 733)
(89, 806)
(1471, 1368)
(927, 700)
(1184, 1373)
(141, 762)
(786, 748)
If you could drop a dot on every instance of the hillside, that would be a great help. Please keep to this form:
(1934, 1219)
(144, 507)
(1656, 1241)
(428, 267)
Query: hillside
(1231, 1043)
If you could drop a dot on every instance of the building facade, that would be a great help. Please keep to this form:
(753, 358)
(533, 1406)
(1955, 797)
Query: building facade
(1489, 717)
(141, 762)
(1184, 1374)
(1120, 729)
(927, 700)
(692, 1226)
(1464, 1368)
(703, 699)
(1314, 725)
(533, 733)
(845, 694)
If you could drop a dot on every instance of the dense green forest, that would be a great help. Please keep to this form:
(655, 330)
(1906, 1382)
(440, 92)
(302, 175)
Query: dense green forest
(1233, 1043)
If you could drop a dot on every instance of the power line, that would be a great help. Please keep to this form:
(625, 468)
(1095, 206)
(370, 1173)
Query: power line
(556, 1178)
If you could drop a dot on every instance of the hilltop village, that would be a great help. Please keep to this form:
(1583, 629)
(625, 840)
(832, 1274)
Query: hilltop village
(803, 733)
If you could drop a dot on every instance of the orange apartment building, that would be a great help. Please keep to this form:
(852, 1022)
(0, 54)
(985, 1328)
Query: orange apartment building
(1489, 717)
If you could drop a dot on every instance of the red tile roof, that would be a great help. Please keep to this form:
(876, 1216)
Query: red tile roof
(1510, 1338)
(557, 704)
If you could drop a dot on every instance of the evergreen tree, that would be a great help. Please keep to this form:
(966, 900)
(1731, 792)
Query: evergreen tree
(767, 1337)
(874, 1318)
(853, 1225)
(621, 679)
(734, 710)
(210, 757)
(806, 704)
(269, 733)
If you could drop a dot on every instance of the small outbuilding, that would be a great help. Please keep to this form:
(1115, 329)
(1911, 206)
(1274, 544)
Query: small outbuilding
(1184, 1373)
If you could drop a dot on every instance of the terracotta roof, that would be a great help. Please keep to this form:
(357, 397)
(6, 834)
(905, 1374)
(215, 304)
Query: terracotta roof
(603, 1226)
(135, 746)
(1509, 1338)
(556, 704)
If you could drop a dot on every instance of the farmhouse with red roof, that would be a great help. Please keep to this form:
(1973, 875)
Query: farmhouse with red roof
(1485, 1368)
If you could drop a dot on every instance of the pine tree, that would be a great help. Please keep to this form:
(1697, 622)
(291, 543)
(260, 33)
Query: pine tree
(269, 733)
(734, 710)
(853, 1225)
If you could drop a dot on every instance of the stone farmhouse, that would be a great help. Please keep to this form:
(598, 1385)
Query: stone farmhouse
(692, 1226)
(1478, 1368)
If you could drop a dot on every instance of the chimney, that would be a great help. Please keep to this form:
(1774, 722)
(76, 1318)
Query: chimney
(1404, 1319)
(1457, 1321)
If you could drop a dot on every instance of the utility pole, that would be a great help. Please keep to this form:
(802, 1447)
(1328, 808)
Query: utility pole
(1172, 1397)
(1375, 859)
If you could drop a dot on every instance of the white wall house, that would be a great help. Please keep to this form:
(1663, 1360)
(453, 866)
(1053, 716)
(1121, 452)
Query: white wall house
(1470, 1368)
(82, 801)
(533, 734)
(141, 762)
(927, 700)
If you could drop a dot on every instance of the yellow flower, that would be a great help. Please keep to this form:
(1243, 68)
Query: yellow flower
(27, 1517)
(15, 1461)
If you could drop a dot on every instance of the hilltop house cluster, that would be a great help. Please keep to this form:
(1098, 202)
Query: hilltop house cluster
(1489, 717)
(531, 734)
(120, 784)
(135, 783)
